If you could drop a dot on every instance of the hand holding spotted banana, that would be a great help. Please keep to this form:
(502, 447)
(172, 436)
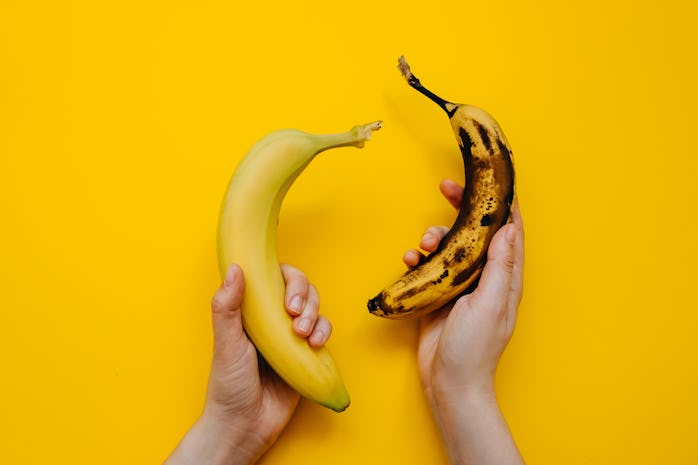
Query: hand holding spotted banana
(247, 236)
(457, 262)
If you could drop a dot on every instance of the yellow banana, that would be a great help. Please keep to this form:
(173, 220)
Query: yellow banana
(247, 236)
(457, 263)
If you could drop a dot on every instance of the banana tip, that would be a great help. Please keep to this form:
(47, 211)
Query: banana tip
(341, 408)
(374, 305)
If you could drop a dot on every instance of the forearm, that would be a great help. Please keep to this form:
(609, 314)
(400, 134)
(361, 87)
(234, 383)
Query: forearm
(474, 430)
(210, 443)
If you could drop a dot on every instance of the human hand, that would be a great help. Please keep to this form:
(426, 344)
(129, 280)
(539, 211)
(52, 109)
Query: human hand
(247, 404)
(460, 346)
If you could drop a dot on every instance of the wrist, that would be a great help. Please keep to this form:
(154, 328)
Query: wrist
(457, 408)
(213, 441)
(463, 401)
(473, 428)
(452, 390)
(235, 439)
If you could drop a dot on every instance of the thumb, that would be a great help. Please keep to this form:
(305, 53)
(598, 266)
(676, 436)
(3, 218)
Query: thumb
(495, 283)
(225, 310)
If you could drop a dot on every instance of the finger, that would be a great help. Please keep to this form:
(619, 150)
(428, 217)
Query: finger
(495, 283)
(225, 309)
(297, 286)
(429, 242)
(303, 325)
(432, 237)
(412, 258)
(321, 332)
(452, 191)
(517, 272)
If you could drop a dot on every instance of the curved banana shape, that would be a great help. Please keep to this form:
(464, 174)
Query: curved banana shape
(247, 236)
(489, 191)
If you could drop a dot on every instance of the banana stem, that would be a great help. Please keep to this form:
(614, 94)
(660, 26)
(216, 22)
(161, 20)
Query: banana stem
(356, 136)
(414, 82)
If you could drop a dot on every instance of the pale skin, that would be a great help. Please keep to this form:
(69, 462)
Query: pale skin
(247, 405)
(460, 347)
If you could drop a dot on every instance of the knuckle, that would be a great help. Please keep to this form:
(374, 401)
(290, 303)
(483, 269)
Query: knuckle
(313, 295)
(508, 263)
(292, 275)
(217, 304)
(438, 232)
(328, 326)
(219, 301)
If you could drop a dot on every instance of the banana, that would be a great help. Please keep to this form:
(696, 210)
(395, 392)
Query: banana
(457, 263)
(247, 236)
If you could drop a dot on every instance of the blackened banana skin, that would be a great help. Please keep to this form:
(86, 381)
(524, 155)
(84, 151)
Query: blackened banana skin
(457, 263)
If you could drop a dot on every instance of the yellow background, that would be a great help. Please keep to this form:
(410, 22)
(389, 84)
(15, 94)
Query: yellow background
(121, 122)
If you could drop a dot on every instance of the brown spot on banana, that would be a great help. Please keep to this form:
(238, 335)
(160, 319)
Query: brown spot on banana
(456, 264)
(484, 136)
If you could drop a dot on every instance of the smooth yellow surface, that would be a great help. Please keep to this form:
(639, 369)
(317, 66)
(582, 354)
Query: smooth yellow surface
(121, 122)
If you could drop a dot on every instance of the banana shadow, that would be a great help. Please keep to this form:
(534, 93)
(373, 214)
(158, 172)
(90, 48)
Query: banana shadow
(380, 335)
(430, 133)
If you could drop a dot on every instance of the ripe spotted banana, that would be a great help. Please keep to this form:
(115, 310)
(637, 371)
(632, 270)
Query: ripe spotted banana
(457, 263)
(247, 236)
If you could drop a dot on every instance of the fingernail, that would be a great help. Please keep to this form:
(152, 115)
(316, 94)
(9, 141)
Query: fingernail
(230, 274)
(296, 304)
(427, 237)
(304, 325)
(510, 233)
(317, 337)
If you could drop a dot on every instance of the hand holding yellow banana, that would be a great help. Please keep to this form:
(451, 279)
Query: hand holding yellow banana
(247, 236)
